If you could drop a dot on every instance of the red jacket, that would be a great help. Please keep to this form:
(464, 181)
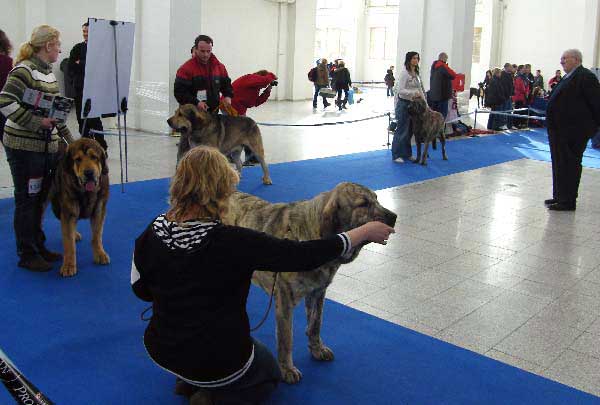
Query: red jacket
(246, 90)
(193, 76)
(521, 90)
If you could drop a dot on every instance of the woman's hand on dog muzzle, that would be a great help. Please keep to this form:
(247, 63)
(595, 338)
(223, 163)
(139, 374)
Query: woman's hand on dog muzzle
(373, 231)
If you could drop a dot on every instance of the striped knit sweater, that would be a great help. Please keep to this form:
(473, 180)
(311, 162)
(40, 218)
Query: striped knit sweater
(23, 129)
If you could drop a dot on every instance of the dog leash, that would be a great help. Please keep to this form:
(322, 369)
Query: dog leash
(262, 321)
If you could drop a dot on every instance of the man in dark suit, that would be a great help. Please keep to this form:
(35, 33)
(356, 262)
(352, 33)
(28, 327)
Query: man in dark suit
(573, 116)
(77, 72)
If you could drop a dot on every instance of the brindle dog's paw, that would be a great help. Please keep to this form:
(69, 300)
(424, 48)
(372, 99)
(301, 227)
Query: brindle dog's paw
(267, 181)
(78, 236)
(101, 257)
(68, 269)
(322, 353)
(290, 375)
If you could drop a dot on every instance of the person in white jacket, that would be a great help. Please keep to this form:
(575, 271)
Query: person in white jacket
(407, 86)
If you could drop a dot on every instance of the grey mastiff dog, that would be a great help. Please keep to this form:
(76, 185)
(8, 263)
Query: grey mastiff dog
(345, 207)
(224, 132)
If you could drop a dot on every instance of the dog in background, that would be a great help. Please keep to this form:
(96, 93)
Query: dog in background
(226, 133)
(345, 207)
(479, 92)
(428, 125)
(80, 190)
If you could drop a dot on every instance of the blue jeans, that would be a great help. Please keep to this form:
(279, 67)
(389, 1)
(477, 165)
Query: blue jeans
(402, 135)
(25, 167)
(317, 88)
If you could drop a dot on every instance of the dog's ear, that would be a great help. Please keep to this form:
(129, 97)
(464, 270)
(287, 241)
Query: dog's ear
(329, 219)
(200, 118)
(103, 162)
(68, 160)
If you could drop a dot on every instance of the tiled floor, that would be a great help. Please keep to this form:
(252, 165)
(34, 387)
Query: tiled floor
(477, 260)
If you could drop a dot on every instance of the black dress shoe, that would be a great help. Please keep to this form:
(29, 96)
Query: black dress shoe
(562, 207)
(49, 255)
(550, 201)
(34, 263)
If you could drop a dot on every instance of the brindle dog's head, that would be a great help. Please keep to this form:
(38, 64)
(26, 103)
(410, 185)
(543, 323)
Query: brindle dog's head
(187, 118)
(417, 107)
(350, 205)
(87, 161)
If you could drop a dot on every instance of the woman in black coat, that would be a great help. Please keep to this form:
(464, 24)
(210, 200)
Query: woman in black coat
(341, 80)
(494, 99)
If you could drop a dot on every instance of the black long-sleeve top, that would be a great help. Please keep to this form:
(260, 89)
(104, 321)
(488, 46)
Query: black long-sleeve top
(77, 70)
(198, 279)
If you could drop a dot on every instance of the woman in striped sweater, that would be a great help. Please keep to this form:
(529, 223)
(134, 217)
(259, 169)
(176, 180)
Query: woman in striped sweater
(31, 144)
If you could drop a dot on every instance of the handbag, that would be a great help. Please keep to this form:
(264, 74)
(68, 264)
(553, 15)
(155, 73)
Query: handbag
(327, 92)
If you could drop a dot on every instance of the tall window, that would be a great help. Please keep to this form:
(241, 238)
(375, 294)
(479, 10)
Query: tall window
(476, 44)
(332, 43)
(377, 43)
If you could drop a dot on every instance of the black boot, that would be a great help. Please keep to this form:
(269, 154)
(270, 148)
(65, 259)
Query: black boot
(35, 263)
(49, 255)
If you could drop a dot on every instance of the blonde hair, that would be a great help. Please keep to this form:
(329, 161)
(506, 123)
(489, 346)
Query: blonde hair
(202, 185)
(39, 38)
(496, 71)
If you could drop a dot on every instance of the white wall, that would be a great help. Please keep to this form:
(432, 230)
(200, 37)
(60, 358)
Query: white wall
(557, 26)
(245, 34)
(12, 22)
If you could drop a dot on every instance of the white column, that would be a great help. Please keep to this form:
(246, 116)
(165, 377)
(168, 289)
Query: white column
(411, 29)
(433, 26)
(301, 28)
(284, 89)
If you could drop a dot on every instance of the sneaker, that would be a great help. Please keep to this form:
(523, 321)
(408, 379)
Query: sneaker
(49, 255)
(399, 160)
(412, 159)
(34, 263)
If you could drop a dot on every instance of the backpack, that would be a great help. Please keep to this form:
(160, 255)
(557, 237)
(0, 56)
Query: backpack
(460, 128)
(312, 74)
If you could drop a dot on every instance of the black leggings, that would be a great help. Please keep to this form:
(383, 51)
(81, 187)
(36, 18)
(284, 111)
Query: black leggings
(255, 386)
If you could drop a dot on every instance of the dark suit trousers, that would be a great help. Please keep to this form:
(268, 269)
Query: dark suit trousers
(566, 157)
(92, 123)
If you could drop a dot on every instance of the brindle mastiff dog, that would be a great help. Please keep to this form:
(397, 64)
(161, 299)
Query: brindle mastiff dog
(345, 207)
(224, 132)
(427, 126)
(80, 190)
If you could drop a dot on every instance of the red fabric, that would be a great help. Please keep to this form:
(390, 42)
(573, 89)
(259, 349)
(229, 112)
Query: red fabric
(458, 84)
(246, 90)
(439, 64)
(521, 91)
(6, 65)
(193, 68)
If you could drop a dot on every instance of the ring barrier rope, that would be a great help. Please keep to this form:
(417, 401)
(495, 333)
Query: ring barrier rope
(321, 124)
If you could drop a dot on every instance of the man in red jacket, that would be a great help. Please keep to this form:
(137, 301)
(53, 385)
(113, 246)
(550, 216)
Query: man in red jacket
(247, 95)
(202, 78)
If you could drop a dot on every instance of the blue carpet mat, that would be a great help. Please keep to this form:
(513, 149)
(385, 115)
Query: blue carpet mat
(80, 339)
